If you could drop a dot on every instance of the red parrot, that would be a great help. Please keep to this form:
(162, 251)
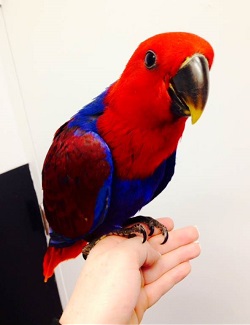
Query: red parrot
(118, 152)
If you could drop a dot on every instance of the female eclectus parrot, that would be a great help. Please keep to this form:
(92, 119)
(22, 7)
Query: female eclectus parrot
(118, 152)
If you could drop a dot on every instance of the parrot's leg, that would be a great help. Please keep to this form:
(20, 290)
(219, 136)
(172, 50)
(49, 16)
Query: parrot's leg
(129, 232)
(151, 223)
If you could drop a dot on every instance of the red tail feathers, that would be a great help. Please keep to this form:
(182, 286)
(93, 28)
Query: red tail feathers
(54, 256)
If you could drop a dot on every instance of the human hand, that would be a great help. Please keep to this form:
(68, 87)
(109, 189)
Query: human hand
(122, 277)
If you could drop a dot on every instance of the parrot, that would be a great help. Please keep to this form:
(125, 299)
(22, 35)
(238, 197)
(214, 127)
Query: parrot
(118, 152)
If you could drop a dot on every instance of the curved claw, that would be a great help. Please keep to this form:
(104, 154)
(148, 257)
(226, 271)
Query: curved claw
(165, 235)
(132, 231)
(143, 232)
(151, 223)
(151, 230)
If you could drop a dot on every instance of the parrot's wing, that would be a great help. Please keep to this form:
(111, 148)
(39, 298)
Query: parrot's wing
(168, 173)
(77, 176)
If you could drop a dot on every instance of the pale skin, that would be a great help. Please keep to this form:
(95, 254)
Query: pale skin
(122, 277)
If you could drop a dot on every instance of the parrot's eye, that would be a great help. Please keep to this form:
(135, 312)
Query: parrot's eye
(150, 59)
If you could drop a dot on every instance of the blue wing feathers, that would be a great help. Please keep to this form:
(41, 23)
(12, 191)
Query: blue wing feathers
(103, 198)
(87, 117)
(129, 196)
(168, 173)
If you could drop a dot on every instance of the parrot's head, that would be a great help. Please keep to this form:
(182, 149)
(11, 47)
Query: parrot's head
(166, 79)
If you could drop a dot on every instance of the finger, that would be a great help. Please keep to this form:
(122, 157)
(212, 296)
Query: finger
(170, 261)
(167, 222)
(176, 239)
(157, 289)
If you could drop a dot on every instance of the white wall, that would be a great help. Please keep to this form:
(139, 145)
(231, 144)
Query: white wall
(67, 52)
(16, 144)
(12, 151)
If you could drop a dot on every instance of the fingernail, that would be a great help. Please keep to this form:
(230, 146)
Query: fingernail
(197, 229)
(197, 241)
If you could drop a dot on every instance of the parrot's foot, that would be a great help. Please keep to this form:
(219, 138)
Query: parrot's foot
(151, 223)
(129, 232)
(131, 228)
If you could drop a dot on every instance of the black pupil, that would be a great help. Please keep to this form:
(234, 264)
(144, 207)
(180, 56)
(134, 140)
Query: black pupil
(150, 59)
